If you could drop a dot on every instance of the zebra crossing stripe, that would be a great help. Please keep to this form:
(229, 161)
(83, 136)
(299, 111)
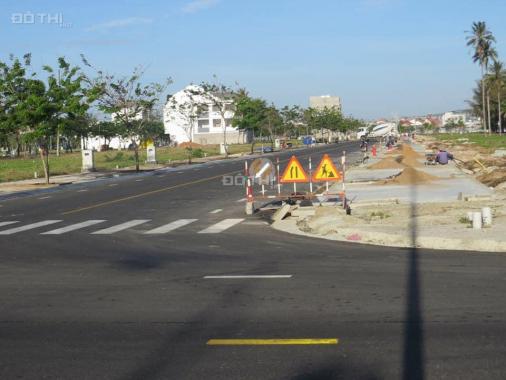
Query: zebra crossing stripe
(121, 227)
(6, 223)
(225, 224)
(28, 227)
(73, 227)
(171, 226)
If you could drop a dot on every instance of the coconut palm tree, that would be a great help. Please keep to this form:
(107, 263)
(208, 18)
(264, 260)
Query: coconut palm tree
(496, 80)
(481, 40)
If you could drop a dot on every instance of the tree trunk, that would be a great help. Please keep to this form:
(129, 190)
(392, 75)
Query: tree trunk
(57, 142)
(136, 154)
(488, 115)
(224, 135)
(499, 122)
(44, 156)
(484, 119)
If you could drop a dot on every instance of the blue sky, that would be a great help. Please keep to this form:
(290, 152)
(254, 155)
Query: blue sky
(383, 57)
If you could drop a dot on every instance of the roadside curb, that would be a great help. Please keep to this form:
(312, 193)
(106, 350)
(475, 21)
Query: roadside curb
(351, 235)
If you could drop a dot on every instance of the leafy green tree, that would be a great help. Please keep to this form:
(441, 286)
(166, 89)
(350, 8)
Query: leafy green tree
(250, 115)
(481, 40)
(13, 92)
(66, 89)
(222, 99)
(496, 79)
(129, 102)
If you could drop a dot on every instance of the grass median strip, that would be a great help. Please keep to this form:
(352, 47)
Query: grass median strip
(271, 342)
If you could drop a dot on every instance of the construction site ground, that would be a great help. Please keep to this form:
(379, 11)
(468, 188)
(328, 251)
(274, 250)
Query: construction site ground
(397, 200)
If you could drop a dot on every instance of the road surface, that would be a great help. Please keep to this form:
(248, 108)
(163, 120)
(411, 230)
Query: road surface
(134, 277)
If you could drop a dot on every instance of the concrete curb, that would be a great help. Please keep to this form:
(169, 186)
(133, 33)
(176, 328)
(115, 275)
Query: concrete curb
(350, 235)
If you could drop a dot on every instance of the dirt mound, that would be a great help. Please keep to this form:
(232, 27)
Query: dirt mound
(410, 176)
(387, 163)
(409, 152)
(494, 178)
(187, 145)
(410, 161)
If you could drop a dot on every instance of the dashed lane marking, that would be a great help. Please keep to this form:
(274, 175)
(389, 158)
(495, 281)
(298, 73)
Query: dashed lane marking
(216, 211)
(113, 184)
(82, 190)
(268, 342)
(171, 226)
(121, 227)
(241, 200)
(101, 204)
(44, 197)
(73, 227)
(29, 227)
(221, 226)
(139, 180)
(254, 276)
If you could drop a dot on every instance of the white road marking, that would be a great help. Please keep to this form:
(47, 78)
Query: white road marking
(7, 223)
(28, 227)
(180, 172)
(73, 227)
(82, 190)
(241, 200)
(121, 227)
(45, 197)
(113, 184)
(139, 180)
(171, 226)
(256, 223)
(225, 224)
(269, 276)
(216, 211)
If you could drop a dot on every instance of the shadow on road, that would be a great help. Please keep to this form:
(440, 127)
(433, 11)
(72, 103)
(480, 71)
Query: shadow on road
(413, 345)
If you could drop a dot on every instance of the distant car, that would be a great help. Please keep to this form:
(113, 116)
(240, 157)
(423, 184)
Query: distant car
(265, 149)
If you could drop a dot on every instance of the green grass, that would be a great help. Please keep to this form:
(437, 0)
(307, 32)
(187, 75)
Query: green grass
(14, 169)
(491, 142)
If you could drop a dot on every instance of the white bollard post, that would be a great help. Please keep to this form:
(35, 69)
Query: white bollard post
(486, 215)
(477, 220)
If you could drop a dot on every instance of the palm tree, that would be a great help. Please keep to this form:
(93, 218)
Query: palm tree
(496, 80)
(481, 39)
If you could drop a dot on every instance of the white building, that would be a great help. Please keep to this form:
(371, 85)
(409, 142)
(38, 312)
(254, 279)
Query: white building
(325, 101)
(190, 114)
(454, 117)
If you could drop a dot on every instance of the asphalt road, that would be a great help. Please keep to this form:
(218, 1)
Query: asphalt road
(133, 301)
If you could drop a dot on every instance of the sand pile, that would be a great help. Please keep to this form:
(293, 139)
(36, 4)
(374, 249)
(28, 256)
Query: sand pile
(410, 176)
(494, 178)
(387, 163)
(410, 161)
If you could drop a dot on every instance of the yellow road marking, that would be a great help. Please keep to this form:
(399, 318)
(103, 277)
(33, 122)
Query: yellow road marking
(161, 190)
(146, 193)
(268, 342)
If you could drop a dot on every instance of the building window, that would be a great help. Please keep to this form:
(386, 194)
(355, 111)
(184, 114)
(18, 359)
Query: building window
(216, 109)
(229, 107)
(228, 123)
(203, 126)
(217, 123)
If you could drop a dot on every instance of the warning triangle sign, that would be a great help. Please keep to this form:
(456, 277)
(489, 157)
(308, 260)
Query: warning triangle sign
(326, 171)
(294, 172)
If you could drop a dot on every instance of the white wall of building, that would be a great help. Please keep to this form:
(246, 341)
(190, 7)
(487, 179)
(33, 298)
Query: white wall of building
(209, 123)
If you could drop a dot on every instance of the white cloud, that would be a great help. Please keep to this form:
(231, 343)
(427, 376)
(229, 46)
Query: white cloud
(199, 5)
(120, 23)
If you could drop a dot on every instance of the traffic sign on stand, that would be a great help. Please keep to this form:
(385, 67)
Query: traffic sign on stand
(294, 172)
(326, 171)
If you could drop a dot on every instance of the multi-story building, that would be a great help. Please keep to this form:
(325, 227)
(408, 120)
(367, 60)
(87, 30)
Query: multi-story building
(328, 101)
(191, 115)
